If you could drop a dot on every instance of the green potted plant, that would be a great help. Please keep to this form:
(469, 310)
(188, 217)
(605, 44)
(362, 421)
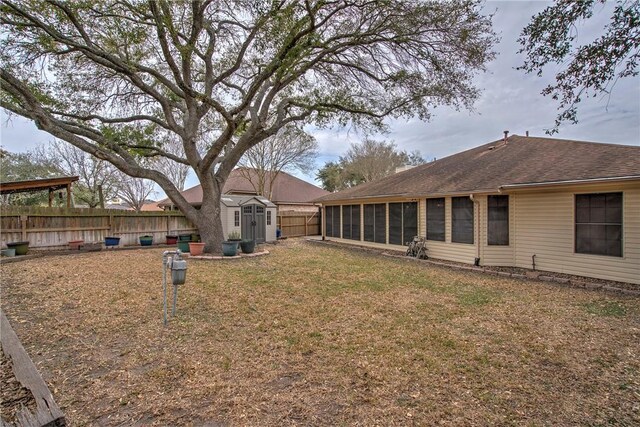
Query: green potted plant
(234, 236)
(146, 240)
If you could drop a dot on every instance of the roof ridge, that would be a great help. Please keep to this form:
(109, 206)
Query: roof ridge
(577, 141)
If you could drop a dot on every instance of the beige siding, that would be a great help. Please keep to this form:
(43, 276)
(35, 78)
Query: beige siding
(541, 222)
(228, 219)
(271, 229)
(545, 227)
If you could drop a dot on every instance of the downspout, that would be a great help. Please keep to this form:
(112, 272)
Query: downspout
(323, 212)
(476, 230)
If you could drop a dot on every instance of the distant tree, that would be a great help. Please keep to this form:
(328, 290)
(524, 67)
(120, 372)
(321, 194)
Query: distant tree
(135, 192)
(331, 176)
(176, 172)
(95, 175)
(587, 70)
(23, 167)
(364, 162)
(373, 160)
(288, 150)
(112, 77)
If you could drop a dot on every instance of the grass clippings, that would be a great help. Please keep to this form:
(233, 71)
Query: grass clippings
(315, 335)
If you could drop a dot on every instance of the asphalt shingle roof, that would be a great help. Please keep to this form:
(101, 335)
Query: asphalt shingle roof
(518, 160)
(286, 189)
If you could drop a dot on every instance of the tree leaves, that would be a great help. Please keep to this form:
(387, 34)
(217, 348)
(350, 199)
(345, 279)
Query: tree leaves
(592, 68)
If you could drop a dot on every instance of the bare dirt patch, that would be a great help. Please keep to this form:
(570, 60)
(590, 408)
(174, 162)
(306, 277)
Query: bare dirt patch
(319, 335)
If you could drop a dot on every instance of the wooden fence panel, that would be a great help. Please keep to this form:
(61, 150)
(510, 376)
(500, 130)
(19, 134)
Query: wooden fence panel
(55, 227)
(299, 224)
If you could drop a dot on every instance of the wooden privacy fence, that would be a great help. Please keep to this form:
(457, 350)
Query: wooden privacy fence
(299, 224)
(46, 227)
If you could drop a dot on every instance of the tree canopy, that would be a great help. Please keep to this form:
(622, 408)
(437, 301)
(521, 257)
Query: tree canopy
(24, 167)
(589, 69)
(290, 149)
(118, 79)
(365, 162)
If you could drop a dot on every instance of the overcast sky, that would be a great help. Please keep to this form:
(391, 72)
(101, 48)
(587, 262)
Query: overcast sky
(510, 100)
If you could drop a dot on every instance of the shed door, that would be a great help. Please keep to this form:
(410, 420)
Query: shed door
(254, 223)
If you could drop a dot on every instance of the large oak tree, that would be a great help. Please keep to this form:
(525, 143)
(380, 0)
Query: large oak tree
(114, 78)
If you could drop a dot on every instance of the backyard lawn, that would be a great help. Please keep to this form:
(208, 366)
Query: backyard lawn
(320, 335)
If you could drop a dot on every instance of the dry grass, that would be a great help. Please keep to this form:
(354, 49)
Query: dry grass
(322, 336)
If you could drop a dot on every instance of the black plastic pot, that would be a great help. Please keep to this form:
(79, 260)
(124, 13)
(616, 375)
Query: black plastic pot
(248, 246)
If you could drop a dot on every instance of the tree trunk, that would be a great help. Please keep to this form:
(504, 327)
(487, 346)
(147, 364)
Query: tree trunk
(209, 221)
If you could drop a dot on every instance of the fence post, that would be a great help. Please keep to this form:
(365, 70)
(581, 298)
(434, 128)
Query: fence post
(306, 226)
(23, 226)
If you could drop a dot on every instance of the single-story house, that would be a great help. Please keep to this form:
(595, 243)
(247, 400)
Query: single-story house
(539, 203)
(290, 194)
(253, 217)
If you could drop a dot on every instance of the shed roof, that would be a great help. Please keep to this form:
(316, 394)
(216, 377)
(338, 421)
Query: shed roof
(518, 160)
(236, 201)
(36, 184)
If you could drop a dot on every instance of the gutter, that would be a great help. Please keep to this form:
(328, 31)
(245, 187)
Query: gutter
(569, 182)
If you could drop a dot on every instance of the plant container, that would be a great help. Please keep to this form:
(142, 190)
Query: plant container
(183, 246)
(21, 247)
(8, 252)
(196, 248)
(248, 246)
(111, 241)
(75, 244)
(146, 240)
(229, 248)
(172, 240)
(195, 237)
(184, 238)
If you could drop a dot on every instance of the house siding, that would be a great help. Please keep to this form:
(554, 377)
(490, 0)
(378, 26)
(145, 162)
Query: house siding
(545, 227)
(541, 222)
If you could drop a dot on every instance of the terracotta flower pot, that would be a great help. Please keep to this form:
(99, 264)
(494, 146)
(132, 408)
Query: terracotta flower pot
(75, 244)
(196, 248)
